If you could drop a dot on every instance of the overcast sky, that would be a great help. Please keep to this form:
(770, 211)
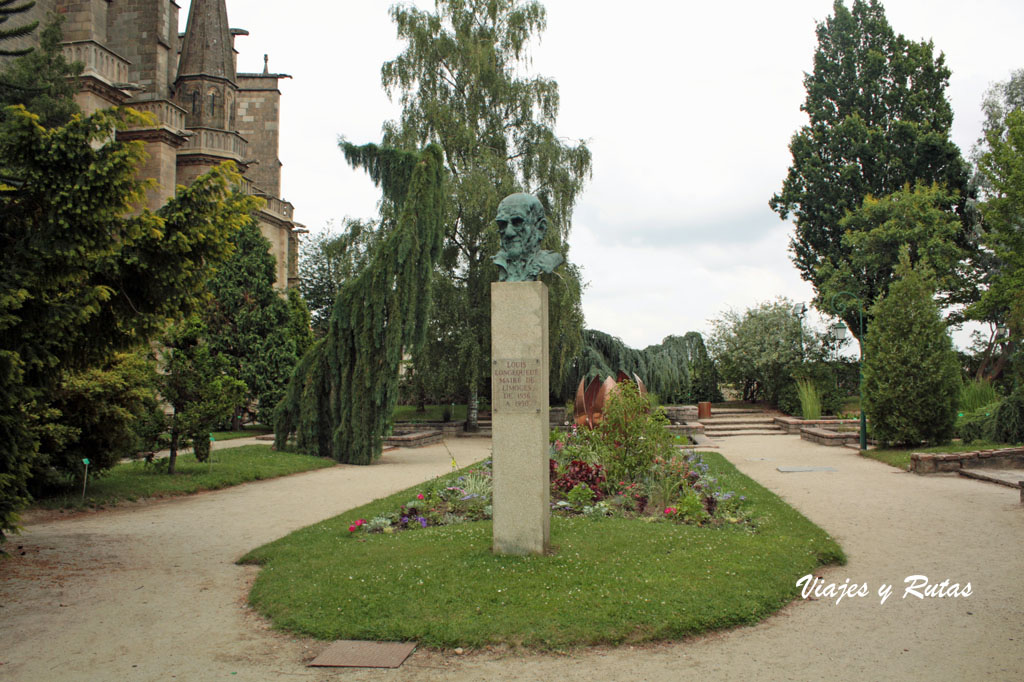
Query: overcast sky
(687, 107)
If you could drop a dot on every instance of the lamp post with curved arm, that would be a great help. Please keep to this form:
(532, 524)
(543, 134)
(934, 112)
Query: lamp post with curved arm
(841, 308)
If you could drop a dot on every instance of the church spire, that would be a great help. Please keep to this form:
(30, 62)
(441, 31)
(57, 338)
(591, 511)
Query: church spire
(207, 47)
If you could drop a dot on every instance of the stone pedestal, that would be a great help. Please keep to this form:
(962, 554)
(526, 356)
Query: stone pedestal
(519, 407)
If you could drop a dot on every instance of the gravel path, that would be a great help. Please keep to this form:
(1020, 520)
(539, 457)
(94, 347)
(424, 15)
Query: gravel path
(153, 593)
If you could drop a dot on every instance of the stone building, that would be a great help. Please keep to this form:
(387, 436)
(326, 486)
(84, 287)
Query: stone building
(205, 111)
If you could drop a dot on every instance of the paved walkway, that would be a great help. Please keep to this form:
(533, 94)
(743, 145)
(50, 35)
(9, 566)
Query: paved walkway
(153, 593)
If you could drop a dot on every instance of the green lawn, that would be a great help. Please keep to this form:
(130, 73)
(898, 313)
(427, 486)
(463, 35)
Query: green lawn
(228, 467)
(246, 432)
(608, 580)
(900, 457)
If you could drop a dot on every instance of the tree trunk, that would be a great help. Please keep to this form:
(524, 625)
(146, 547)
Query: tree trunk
(472, 421)
(173, 457)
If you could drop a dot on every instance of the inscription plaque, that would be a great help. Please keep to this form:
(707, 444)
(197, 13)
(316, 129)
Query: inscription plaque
(515, 385)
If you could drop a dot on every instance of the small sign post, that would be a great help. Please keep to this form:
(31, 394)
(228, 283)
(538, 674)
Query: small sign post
(85, 478)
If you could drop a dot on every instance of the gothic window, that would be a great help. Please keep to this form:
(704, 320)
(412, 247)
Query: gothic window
(195, 102)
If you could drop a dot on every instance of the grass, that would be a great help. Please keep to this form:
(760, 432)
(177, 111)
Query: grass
(900, 457)
(434, 413)
(131, 481)
(608, 580)
(246, 432)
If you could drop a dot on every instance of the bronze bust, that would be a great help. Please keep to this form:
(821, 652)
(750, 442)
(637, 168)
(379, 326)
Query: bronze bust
(521, 225)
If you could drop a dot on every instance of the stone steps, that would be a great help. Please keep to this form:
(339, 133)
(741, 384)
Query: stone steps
(744, 432)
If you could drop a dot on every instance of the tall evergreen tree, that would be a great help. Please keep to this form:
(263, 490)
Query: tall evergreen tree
(878, 120)
(249, 323)
(343, 392)
(460, 86)
(911, 372)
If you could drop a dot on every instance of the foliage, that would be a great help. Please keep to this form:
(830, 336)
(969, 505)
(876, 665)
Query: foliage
(975, 394)
(8, 10)
(1002, 301)
(250, 325)
(84, 271)
(326, 260)
(1009, 419)
(195, 384)
(130, 481)
(95, 415)
(977, 424)
(344, 390)
(911, 373)
(678, 369)
(461, 85)
(580, 473)
(923, 219)
(758, 350)
(41, 80)
(634, 432)
(810, 402)
(629, 567)
(878, 120)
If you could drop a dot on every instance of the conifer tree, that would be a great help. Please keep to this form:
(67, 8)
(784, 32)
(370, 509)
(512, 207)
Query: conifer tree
(342, 394)
(10, 9)
(460, 85)
(42, 80)
(83, 271)
(249, 324)
(911, 373)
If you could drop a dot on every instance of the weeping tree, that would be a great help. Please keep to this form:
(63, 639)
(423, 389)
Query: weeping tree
(344, 390)
(461, 83)
(677, 370)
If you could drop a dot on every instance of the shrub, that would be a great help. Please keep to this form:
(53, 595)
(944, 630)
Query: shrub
(977, 425)
(788, 400)
(810, 402)
(911, 372)
(1009, 419)
(633, 434)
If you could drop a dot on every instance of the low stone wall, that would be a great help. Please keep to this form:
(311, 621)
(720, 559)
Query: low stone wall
(795, 424)
(928, 463)
(823, 436)
(448, 428)
(418, 439)
(686, 429)
(680, 414)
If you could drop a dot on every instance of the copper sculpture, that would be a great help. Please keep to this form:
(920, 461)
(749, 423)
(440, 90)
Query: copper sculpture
(590, 401)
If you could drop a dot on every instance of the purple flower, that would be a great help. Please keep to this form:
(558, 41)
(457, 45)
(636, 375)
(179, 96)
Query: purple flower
(405, 519)
(423, 522)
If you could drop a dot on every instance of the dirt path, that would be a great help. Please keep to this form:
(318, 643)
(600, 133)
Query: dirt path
(153, 594)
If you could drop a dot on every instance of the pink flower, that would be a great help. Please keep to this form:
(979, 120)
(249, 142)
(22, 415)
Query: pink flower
(420, 496)
(559, 445)
(352, 529)
(670, 510)
(360, 522)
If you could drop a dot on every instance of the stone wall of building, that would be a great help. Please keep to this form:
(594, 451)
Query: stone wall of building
(258, 120)
(85, 19)
(155, 61)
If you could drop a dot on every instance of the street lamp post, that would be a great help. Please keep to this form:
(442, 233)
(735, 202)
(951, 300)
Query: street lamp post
(840, 308)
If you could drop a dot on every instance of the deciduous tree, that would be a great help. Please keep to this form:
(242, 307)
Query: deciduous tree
(878, 121)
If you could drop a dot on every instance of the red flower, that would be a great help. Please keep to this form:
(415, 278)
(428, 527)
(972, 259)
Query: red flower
(420, 496)
(352, 529)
